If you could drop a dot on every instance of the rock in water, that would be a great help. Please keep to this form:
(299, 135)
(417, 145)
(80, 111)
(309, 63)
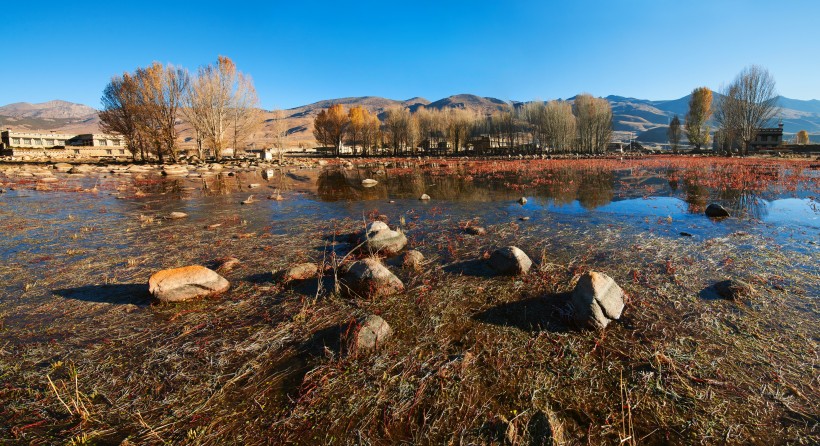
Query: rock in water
(369, 278)
(424, 197)
(380, 239)
(302, 271)
(177, 215)
(189, 282)
(734, 289)
(369, 182)
(373, 332)
(522, 201)
(510, 260)
(597, 300)
(716, 211)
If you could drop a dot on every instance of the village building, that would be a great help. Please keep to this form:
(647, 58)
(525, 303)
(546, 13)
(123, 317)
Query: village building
(61, 145)
(766, 139)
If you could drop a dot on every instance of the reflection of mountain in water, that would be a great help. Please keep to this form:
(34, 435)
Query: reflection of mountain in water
(568, 187)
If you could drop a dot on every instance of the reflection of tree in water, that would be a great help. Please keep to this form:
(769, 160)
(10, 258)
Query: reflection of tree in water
(743, 203)
(596, 189)
(592, 189)
(346, 185)
(672, 177)
(697, 196)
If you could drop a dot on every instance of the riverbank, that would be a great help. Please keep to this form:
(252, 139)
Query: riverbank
(474, 358)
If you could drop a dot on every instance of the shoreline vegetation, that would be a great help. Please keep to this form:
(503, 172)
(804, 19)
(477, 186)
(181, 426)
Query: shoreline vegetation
(717, 342)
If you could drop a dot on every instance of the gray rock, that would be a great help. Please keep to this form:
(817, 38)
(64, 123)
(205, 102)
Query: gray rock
(510, 260)
(189, 282)
(522, 201)
(380, 239)
(177, 215)
(424, 197)
(716, 211)
(369, 182)
(369, 278)
(597, 300)
(372, 333)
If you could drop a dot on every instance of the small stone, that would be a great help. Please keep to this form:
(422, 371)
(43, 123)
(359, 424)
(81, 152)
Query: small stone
(369, 278)
(510, 260)
(177, 215)
(302, 271)
(369, 182)
(685, 234)
(524, 218)
(475, 230)
(373, 332)
(522, 201)
(424, 197)
(412, 260)
(228, 264)
(189, 282)
(733, 289)
(249, 200)
(275, 197)
(597, 300)
(715, 210)
(253, 185)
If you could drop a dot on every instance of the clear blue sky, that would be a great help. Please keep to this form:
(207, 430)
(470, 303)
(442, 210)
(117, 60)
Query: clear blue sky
(303, 51)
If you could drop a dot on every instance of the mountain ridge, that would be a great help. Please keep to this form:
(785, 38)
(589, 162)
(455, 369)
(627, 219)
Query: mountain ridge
(643, 118)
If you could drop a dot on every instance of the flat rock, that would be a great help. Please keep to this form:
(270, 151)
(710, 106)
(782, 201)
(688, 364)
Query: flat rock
(177, 215)
(227, 264)
(189, 282)
(716, 211)
(369, 278)
(597, 300)
(369, 182)
(373, 332)
(510, 260)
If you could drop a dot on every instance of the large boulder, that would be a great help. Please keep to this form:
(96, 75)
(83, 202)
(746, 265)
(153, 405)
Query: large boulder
(380, 239)
(369, 278)
(510, 260)
(715, 210)
(597, 300)
(188, 282)
(372, 333)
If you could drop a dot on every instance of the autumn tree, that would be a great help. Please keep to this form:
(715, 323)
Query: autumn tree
(120, 113)
(700, 110)
(330, 126)
(802, 137)
(747, 104)
(458, 122)
(673, 133)
(594, 121)
(361, 122)
(400, 128)
(221, 105)
(370, 132)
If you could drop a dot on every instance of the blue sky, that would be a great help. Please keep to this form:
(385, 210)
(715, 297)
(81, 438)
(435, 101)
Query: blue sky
(303, 51)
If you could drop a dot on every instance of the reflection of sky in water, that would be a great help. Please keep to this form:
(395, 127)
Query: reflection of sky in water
(801, 211)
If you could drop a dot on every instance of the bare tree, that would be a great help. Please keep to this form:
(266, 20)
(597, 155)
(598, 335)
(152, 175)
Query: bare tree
(559, 126)
(747, 105)
(279, 132)
(673, 133)
(120, 114)
(594, 116)
(218, 99)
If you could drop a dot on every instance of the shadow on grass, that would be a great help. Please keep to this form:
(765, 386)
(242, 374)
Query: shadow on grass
(131, 293)
(544, 313)
(474, 268)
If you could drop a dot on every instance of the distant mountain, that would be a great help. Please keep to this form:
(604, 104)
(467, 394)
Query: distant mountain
(645, 119)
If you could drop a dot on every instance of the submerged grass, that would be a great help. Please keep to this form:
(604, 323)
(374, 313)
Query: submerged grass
(87, 358)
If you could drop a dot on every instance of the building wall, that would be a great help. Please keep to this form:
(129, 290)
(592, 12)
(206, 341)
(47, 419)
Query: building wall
(58, 145)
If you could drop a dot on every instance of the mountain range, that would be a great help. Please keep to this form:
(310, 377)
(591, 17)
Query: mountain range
(645, 119)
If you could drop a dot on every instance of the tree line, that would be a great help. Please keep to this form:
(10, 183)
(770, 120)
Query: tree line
(145, 106)
(584, 125)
